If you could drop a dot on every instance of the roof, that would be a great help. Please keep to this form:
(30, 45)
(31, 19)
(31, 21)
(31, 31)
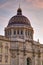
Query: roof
(19, 19)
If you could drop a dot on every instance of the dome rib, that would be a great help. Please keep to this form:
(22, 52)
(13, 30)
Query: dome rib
(19, 20)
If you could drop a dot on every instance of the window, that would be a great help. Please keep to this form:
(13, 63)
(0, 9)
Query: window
(17, 31)
(42, 62)
(28, 32)
(0, 44)
(9, 32)
(28, 61)
(0, 47)
(0, 50)
(21, 31)
(14, 32)
(6, 48)
(6, 58)
(0, 58)
(31, 35)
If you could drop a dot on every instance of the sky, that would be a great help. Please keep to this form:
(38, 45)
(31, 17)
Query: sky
(33, 9)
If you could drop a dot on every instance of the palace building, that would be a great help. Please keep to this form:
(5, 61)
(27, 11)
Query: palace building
(18, 47)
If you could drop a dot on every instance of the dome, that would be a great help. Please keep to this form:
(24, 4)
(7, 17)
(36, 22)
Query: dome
(19, 19)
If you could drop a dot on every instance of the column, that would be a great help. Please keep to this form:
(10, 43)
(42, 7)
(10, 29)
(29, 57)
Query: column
(24, 34)
(12, 32)
(17, 54)
(24, 54)
(33, 57)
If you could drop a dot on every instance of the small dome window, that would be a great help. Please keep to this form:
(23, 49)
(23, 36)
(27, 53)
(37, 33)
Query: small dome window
(21, 32)
(17, 31)
(14, 32)
(9, 32)
(28, 32)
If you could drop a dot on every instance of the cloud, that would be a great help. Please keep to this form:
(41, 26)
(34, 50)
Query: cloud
(3, 21)
(5, 4)
(13, 3)
(36, 3)
(3, 24)
(8, 4)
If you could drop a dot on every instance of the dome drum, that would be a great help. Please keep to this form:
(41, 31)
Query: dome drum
(17, 32)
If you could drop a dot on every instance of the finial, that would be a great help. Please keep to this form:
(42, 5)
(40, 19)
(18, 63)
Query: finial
(19, 11)
(19, 5)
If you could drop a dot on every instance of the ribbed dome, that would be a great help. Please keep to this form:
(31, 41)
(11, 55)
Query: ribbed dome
(19, 19)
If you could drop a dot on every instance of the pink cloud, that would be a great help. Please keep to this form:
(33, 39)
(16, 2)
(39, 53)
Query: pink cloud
(36, 3)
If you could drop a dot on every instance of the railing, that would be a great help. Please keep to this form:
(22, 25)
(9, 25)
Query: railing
(18, 36)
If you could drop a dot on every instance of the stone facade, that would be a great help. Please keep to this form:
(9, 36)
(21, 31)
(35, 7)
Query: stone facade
(17, 47)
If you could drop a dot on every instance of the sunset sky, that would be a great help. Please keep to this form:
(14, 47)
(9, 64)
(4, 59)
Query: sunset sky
(33, 9)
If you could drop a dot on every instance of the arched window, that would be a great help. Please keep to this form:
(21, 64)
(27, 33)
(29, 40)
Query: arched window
(29, 61)
(21, 32)
(0, 58)
(17, 31)
(6, 48)
(6, 58)
(9, 32)
(42, 62)
(1, 47)
(26, 32)
(14, 32)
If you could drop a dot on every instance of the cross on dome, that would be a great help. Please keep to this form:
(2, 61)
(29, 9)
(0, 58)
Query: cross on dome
(19, 11)
(19, 5)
